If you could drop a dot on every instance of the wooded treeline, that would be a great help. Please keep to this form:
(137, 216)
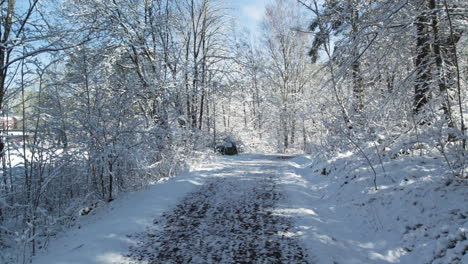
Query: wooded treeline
(115, 95)
(397, 75)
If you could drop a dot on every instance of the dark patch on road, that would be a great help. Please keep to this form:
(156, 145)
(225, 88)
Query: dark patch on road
(229, 220)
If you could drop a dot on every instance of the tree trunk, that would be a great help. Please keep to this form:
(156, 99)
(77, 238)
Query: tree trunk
(111, 181)
(293, 130)
(358, 91)
(423, 73)
(4, 51)
(454, 38)
(439, 69)
(304, 135)
(284, 124)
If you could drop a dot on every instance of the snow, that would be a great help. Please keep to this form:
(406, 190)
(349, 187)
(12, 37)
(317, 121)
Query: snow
(415, 216)
(103, 235)
(418, 219)
(229, 219)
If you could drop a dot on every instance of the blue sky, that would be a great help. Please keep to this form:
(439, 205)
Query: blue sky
(250, 12)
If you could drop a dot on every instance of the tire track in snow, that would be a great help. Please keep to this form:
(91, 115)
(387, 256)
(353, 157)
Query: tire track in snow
(228, 220)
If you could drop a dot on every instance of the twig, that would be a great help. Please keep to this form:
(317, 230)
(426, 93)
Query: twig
(365, 156)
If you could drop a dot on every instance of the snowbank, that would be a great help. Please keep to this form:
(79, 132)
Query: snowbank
(416, 215)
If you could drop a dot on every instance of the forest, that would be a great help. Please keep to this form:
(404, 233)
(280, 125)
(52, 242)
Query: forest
(99, 99)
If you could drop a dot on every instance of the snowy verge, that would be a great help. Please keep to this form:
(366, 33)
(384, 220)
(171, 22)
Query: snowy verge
(415, 216)
(103, 236)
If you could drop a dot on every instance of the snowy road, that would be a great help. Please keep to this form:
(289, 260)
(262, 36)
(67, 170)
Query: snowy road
(226, 211)
(230, 219)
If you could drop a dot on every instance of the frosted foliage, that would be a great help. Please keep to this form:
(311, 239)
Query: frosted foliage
(102, 98)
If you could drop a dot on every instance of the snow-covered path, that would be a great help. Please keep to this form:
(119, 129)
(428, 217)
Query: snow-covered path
(223, 212)
(230, 219)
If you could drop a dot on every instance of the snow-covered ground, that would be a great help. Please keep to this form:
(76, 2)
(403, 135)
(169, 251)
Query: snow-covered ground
(103, 235)
(230, 219)
(416, 216)
(336, 218)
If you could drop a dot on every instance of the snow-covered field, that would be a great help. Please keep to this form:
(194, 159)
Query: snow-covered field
(418, 217)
